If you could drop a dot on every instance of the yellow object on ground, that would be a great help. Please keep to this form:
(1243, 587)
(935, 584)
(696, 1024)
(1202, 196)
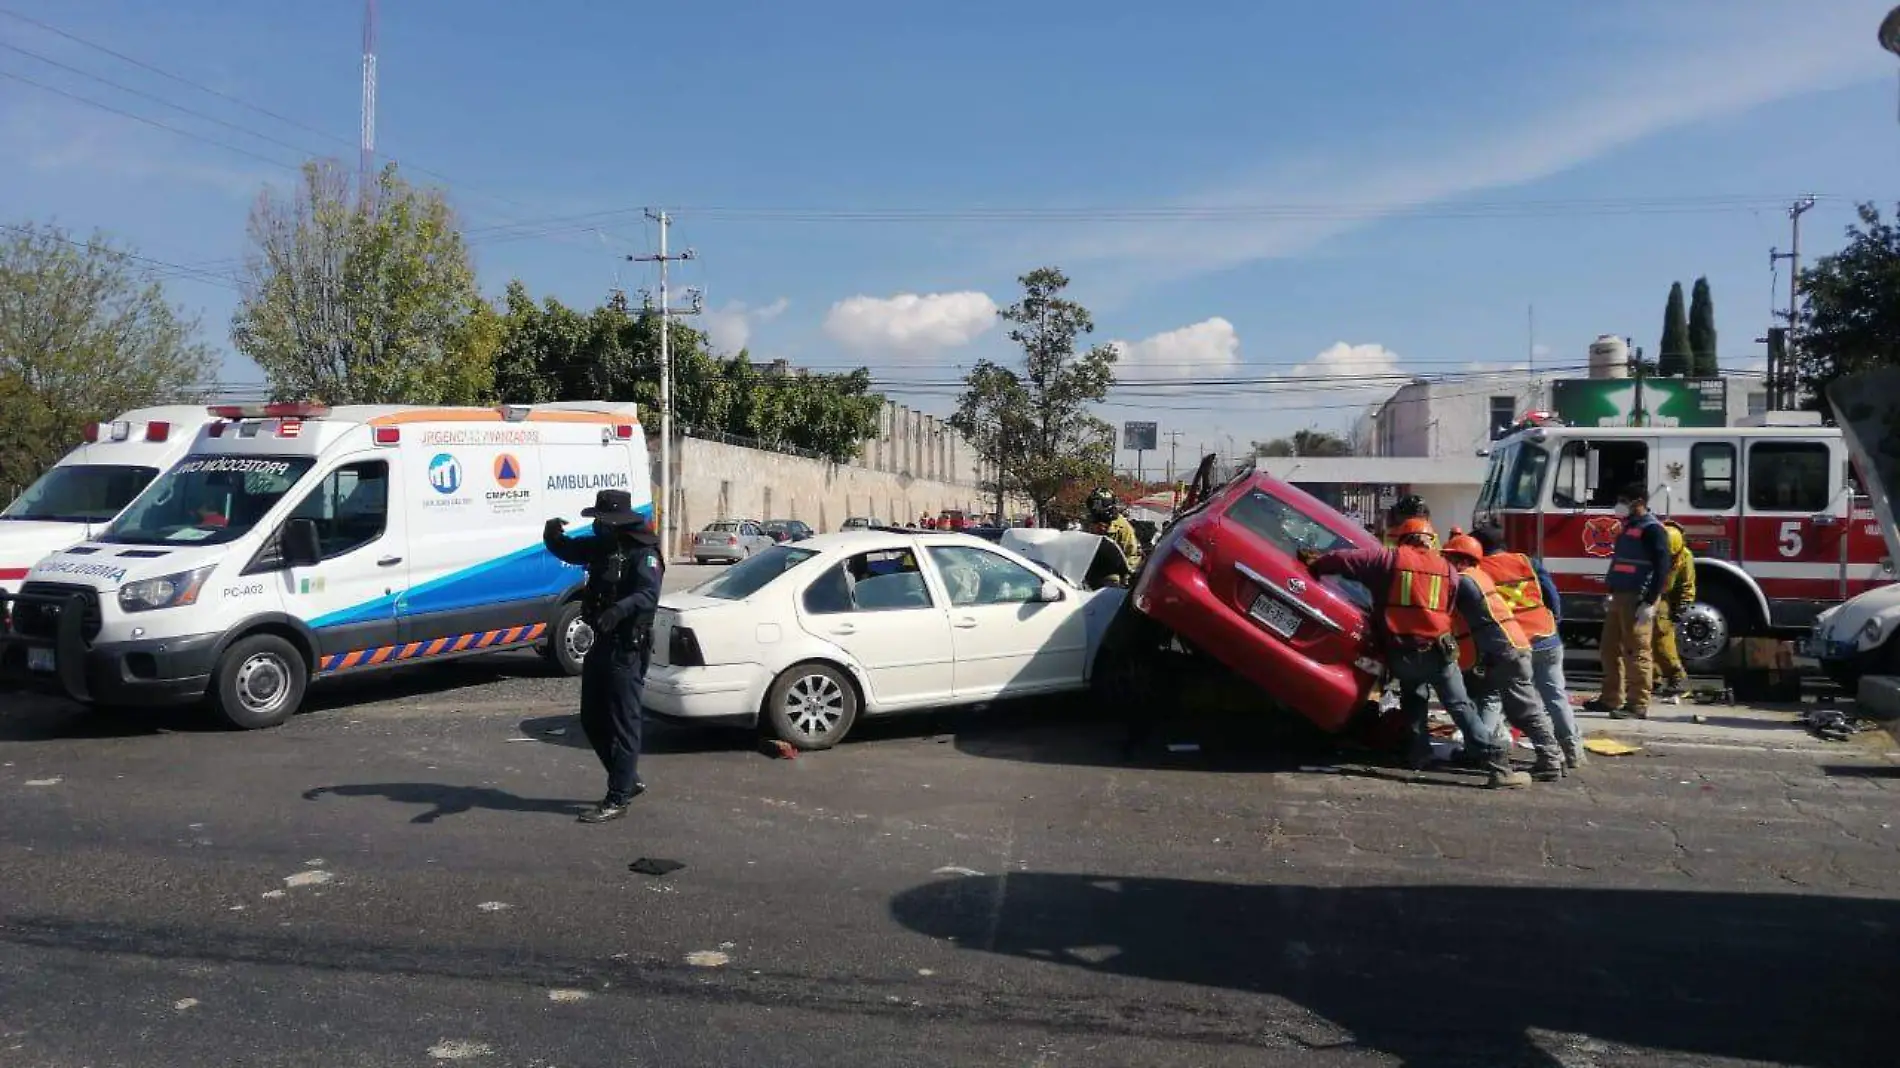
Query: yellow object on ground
(1610, 747)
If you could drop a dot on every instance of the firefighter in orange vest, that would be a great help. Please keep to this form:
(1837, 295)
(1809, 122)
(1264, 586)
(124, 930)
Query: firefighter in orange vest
(1495, 654)
(1528, 588)
(1413, 588)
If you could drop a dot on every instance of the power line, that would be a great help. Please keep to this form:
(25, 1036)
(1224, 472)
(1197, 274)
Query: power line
(184, 271)
(227, 146)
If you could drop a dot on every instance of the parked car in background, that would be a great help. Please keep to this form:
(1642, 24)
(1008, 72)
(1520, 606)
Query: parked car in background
(784, 530)
(804, 638)
(862, 522)
(1860, 636)
(1226, 580)
(730, 541)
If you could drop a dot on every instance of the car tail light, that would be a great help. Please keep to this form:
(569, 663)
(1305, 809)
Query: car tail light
(682, 650)
(623, 431)
(732, 539)
(388, 435)
(157, 431)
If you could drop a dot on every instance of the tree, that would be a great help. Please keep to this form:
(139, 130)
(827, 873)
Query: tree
(1851, 318)
(1308, 442)
(1702, 361)
(1672, 355)
(364, 303)
(83, 337)
(1038, 422)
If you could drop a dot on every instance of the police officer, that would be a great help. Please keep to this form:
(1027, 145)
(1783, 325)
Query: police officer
(624, 569)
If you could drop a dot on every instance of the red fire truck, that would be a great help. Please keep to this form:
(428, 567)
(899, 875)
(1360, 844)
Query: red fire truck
(1773, 514)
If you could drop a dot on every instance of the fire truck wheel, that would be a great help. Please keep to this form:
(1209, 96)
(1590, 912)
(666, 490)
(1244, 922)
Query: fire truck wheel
(1705, 628)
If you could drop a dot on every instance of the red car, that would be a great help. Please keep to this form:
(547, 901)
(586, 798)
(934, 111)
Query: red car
(1226, 580)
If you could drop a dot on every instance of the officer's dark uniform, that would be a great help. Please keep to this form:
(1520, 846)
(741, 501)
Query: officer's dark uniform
(624, 568)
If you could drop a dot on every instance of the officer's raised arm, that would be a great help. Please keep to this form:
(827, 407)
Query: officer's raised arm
(564, 548)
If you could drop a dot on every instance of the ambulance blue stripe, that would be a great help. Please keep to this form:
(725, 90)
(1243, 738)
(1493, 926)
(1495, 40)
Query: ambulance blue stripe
(522, 575)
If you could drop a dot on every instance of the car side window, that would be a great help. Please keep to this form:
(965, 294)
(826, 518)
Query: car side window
(883, 581)
(350, 507)
(979, 577)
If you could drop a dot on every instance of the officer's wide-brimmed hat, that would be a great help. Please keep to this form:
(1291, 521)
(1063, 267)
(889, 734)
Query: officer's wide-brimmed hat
(613, 508)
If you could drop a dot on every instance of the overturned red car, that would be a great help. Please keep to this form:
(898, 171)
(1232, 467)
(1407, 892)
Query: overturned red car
(1226, 581)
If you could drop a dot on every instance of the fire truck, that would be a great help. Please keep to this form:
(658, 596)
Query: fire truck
(1773, 513)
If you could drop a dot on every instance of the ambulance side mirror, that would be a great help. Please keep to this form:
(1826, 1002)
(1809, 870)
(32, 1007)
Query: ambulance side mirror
(300, 543)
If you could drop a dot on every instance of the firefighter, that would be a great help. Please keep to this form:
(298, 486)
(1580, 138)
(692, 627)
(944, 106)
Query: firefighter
(1670, 675)
(1638, 574)
(1414, 588)
(1410, 506)
(1495, 655)
(1528, 589)
(1105, 518)
(624, 573)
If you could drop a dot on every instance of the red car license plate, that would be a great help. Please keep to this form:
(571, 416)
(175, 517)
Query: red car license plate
(39, 659)
(1275, 614)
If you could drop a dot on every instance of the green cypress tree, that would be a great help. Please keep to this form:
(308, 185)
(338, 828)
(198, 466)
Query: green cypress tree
(1702, 362)
(1672, 356)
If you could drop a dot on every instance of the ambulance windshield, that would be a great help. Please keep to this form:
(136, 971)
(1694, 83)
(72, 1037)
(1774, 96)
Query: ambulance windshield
(80, 493)
(208, 500)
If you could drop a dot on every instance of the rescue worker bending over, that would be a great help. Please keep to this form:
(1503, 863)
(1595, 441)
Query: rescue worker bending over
(1413, 589)
(1639, 572)
(624, 571)
(1528, 589)
(1680, 594)
(1105, 518)
(1495, 655)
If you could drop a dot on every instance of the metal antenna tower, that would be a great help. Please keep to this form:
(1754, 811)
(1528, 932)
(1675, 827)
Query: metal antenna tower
(366, 160)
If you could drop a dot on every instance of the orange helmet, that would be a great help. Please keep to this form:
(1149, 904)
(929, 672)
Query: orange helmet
(1462, 544)
(1417, 525)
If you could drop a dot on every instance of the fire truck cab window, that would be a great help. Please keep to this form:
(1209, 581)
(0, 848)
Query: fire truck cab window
(1589, 473)
(1789, 476)
(1712, 476)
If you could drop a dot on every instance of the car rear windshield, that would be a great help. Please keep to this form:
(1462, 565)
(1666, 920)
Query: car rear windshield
(723, 528)
(80, 493)
(749, 576)
(1282, 524)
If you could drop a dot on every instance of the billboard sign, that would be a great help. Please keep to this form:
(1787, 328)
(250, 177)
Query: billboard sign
(1667, 402)
(1140, 437)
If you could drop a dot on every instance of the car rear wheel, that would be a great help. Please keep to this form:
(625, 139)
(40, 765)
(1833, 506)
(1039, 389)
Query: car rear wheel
(259, 682)
(811, 705)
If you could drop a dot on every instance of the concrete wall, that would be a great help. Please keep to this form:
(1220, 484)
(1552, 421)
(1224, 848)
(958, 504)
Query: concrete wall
(920, 445)
(717, 481)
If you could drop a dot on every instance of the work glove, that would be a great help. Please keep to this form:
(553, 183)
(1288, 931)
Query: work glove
(610, 620)
(554, 528)
(1645, 614)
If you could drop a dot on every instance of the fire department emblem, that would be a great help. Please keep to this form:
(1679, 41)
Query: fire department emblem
(1599, 534)
(1675, 472)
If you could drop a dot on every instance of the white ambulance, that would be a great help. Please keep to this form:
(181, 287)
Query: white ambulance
(294, 542)
(88, 488)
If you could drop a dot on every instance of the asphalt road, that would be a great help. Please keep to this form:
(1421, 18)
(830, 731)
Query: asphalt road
(395, 878)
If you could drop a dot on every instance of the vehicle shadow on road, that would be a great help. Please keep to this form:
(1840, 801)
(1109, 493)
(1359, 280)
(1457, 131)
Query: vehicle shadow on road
(445, 800)
(30, 718)
(1459, 975)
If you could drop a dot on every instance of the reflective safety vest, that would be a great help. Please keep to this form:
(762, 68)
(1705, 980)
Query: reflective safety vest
(1516, 581)
(1631, 566)
(1418, 599)
(1500, 612)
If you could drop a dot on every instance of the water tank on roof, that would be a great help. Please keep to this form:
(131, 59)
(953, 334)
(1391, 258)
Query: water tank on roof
(1609, 357)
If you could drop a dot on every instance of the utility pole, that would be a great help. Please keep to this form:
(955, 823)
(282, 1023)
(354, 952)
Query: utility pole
(666, 311)
(1174, 442)
(1781, 371)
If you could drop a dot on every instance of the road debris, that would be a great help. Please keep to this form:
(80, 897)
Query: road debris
(308, 878)
(779, 749)
(456, 1049)
(708, 958)
(1610, 747)
(185, 1003)
(568, 997)
(54, 781)
(952, 869)
(658, 867)
(1833, 725)
(494, 906)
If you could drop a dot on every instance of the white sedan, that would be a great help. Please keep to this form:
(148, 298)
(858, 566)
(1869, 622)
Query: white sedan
(808, 636)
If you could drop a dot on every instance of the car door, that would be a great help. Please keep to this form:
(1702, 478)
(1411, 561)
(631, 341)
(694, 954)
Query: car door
(1006, 642)
(879, 609)
(349, 597)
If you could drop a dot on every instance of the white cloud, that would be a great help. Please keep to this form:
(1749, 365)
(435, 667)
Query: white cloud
(1204, 349)
(729, 326)
(1737, 58)
(910, 322)
(1351, 375)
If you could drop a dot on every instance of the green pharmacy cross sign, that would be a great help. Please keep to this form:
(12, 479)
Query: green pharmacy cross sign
(1661, 402)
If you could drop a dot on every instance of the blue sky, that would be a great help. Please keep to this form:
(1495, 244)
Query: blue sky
(1240, 190)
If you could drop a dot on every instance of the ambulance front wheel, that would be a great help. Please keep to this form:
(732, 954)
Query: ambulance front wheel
(568, 640)
(259, 682)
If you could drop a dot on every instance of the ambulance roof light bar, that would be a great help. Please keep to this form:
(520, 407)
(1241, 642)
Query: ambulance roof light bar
(273, 410)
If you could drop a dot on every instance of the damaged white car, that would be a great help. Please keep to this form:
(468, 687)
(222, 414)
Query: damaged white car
(803, 638)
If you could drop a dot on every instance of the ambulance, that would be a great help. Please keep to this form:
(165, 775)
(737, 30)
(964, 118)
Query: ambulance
(1780, 530)
(295, 542)
(85, 491)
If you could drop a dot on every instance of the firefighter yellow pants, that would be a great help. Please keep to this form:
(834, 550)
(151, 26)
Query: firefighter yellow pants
(1668, 660)
(1627, 653)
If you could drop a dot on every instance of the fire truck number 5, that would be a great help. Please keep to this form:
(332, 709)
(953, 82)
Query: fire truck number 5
(1771, 512)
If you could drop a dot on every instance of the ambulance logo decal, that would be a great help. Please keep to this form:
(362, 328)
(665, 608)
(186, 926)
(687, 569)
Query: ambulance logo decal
(445, 474)
(1600, 533)
(507, 471)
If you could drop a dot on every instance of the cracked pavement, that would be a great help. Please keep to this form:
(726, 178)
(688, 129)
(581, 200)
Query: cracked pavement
(395, 878)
